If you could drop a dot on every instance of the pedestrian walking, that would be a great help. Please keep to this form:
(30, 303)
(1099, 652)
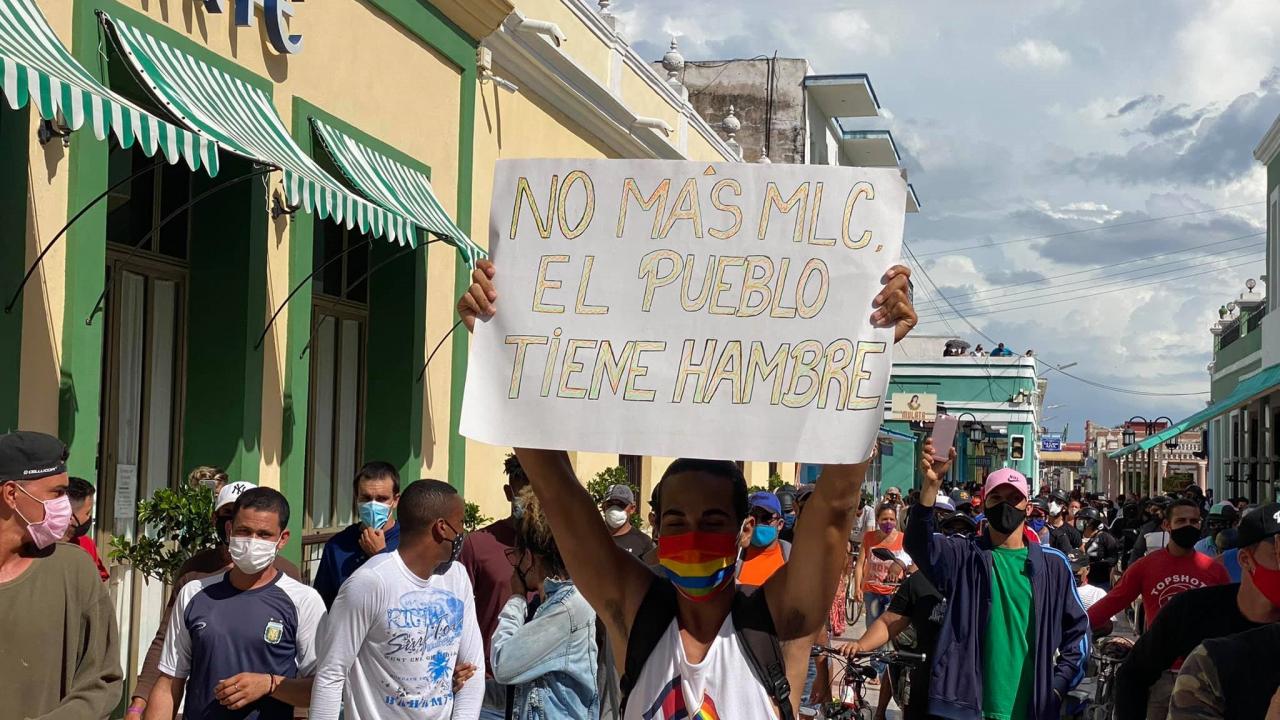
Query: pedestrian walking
(1063, 535)
(1221, 525)
(214, 561)
(1099, 545)
(241, 644)
(618, 509)
(1195, 618)
(1015, 631)
(690, 644)
(376, 492)
(1158, 577)
(764, 551)
(81, 495)
(60, 656)
(403, 621)
(548, 659)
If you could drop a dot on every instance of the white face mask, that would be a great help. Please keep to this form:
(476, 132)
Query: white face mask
(251, 555)
(615, 517)
(1054, 509)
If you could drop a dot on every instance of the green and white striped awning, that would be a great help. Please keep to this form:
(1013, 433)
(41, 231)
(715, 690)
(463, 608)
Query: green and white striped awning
(243, 119)
(395, 185)
(36, 67)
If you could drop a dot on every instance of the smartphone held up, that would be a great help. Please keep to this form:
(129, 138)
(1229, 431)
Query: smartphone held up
(943, 436)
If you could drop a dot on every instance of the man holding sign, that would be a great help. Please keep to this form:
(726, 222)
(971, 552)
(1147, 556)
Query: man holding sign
(672, 308)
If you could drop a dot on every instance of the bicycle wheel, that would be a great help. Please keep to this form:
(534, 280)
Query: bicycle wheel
(852, 603)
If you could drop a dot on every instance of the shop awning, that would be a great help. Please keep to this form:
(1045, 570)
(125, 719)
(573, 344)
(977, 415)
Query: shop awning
(36, 67)
(243, 119)
(888, 434)
(1263, 382)
(395, 185)
(1061, 456)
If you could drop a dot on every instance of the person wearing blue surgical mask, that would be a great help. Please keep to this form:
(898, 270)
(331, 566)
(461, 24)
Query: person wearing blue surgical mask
(376, 491)
(763, 549)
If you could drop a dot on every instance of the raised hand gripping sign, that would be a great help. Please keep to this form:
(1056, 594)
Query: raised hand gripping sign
(677, 308)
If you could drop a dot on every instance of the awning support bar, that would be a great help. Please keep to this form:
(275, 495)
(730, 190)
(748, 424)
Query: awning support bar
(311, 338)
(40, 258)
(423, 371)
(310, 276)
(106, 288)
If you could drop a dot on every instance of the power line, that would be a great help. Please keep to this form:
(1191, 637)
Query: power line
(983, 305)
(1106, 292)
(1107, 267)
(989, 339)
(1111, 226)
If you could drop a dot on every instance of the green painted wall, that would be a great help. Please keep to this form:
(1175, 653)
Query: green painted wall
(13, 261)
(227, 301)
(80, 381)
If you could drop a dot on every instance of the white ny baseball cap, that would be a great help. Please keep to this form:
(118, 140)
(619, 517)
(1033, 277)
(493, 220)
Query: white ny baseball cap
(230, 492)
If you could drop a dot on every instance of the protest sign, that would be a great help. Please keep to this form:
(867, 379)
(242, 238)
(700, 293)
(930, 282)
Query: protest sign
(676, 308)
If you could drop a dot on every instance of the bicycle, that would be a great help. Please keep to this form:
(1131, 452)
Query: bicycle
(853, 593)
(851, 704)
(1095, 697)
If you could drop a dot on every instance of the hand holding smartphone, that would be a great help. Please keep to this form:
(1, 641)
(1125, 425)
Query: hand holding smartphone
(944, 436)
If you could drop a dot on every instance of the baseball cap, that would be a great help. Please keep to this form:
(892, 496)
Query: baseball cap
(1006, 476)
(26, 455)
(620, 494)
(1258, 525)
(230, 493)
(766, 500)
(944, 503)
(805, 490)
(1078, 560)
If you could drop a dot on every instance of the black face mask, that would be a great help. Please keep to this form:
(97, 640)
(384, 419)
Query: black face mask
(79, 531)
(1005, 517)
(1185, 537)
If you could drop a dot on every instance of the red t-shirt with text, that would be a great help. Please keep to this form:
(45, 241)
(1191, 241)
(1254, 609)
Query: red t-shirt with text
(1158, 577)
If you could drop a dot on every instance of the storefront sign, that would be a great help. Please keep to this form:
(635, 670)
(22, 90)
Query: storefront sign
(275, 13)
(915, 407)
(679, 308)
(1051, 443)
(126, 491)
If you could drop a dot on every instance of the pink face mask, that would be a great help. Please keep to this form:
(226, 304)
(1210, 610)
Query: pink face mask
(57, 518)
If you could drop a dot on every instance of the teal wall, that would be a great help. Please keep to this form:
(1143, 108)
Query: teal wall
(958, 395)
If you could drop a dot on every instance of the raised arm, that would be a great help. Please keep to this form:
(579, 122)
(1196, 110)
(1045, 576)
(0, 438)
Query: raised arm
(606, 575)
(928, 549)
(822, 533)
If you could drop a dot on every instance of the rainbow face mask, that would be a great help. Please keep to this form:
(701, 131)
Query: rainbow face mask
(699, 564)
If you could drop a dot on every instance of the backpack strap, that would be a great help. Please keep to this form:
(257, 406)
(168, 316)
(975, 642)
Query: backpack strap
(655, 614)
(754, 625)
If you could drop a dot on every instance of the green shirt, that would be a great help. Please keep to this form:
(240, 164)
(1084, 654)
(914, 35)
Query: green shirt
(1007, 664)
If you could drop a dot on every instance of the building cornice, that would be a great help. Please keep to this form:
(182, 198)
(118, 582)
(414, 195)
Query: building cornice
(614, 40)
(477, 18)
(534, 62)
(1269, 148)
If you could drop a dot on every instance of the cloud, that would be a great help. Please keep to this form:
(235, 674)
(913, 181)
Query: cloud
(1136, 103)
(1040, 54)
(852, 29)
(1198, 148)
(1175, 119)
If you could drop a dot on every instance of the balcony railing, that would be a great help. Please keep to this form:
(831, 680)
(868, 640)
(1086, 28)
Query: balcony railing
(1255, 319)
(1229, 336)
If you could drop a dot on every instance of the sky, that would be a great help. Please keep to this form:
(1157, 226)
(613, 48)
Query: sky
(1021, 119)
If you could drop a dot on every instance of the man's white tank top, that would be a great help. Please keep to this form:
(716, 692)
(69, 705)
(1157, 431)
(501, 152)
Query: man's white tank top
(721, 687)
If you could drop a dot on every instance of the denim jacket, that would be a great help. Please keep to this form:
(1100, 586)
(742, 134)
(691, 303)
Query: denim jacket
(550, 661)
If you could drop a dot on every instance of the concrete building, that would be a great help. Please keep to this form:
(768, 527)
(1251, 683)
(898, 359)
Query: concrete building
(336, 158)
(999, 401)
(1171, 464)
(1243, 413)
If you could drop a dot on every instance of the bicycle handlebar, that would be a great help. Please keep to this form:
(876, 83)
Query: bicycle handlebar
(890, 656)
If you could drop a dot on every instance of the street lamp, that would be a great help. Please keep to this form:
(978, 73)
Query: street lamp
(977, 431)
(1129, 436)
(1172, 442)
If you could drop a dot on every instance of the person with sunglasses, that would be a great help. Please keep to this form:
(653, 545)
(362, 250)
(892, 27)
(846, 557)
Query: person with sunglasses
(403, 622)
(763, 549)
(548, 659)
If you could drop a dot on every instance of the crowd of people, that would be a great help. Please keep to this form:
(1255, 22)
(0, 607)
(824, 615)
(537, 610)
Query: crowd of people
(567, 609)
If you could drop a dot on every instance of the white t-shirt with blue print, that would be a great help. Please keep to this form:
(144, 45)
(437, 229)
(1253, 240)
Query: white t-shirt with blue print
(389, 645)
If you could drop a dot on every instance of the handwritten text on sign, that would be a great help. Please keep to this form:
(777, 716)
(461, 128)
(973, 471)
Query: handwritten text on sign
(678, 308)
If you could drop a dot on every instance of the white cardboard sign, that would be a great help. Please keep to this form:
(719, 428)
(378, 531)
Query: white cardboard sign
(676, 308)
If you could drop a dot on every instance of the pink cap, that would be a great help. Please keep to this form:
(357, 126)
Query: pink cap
(1006, 476)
